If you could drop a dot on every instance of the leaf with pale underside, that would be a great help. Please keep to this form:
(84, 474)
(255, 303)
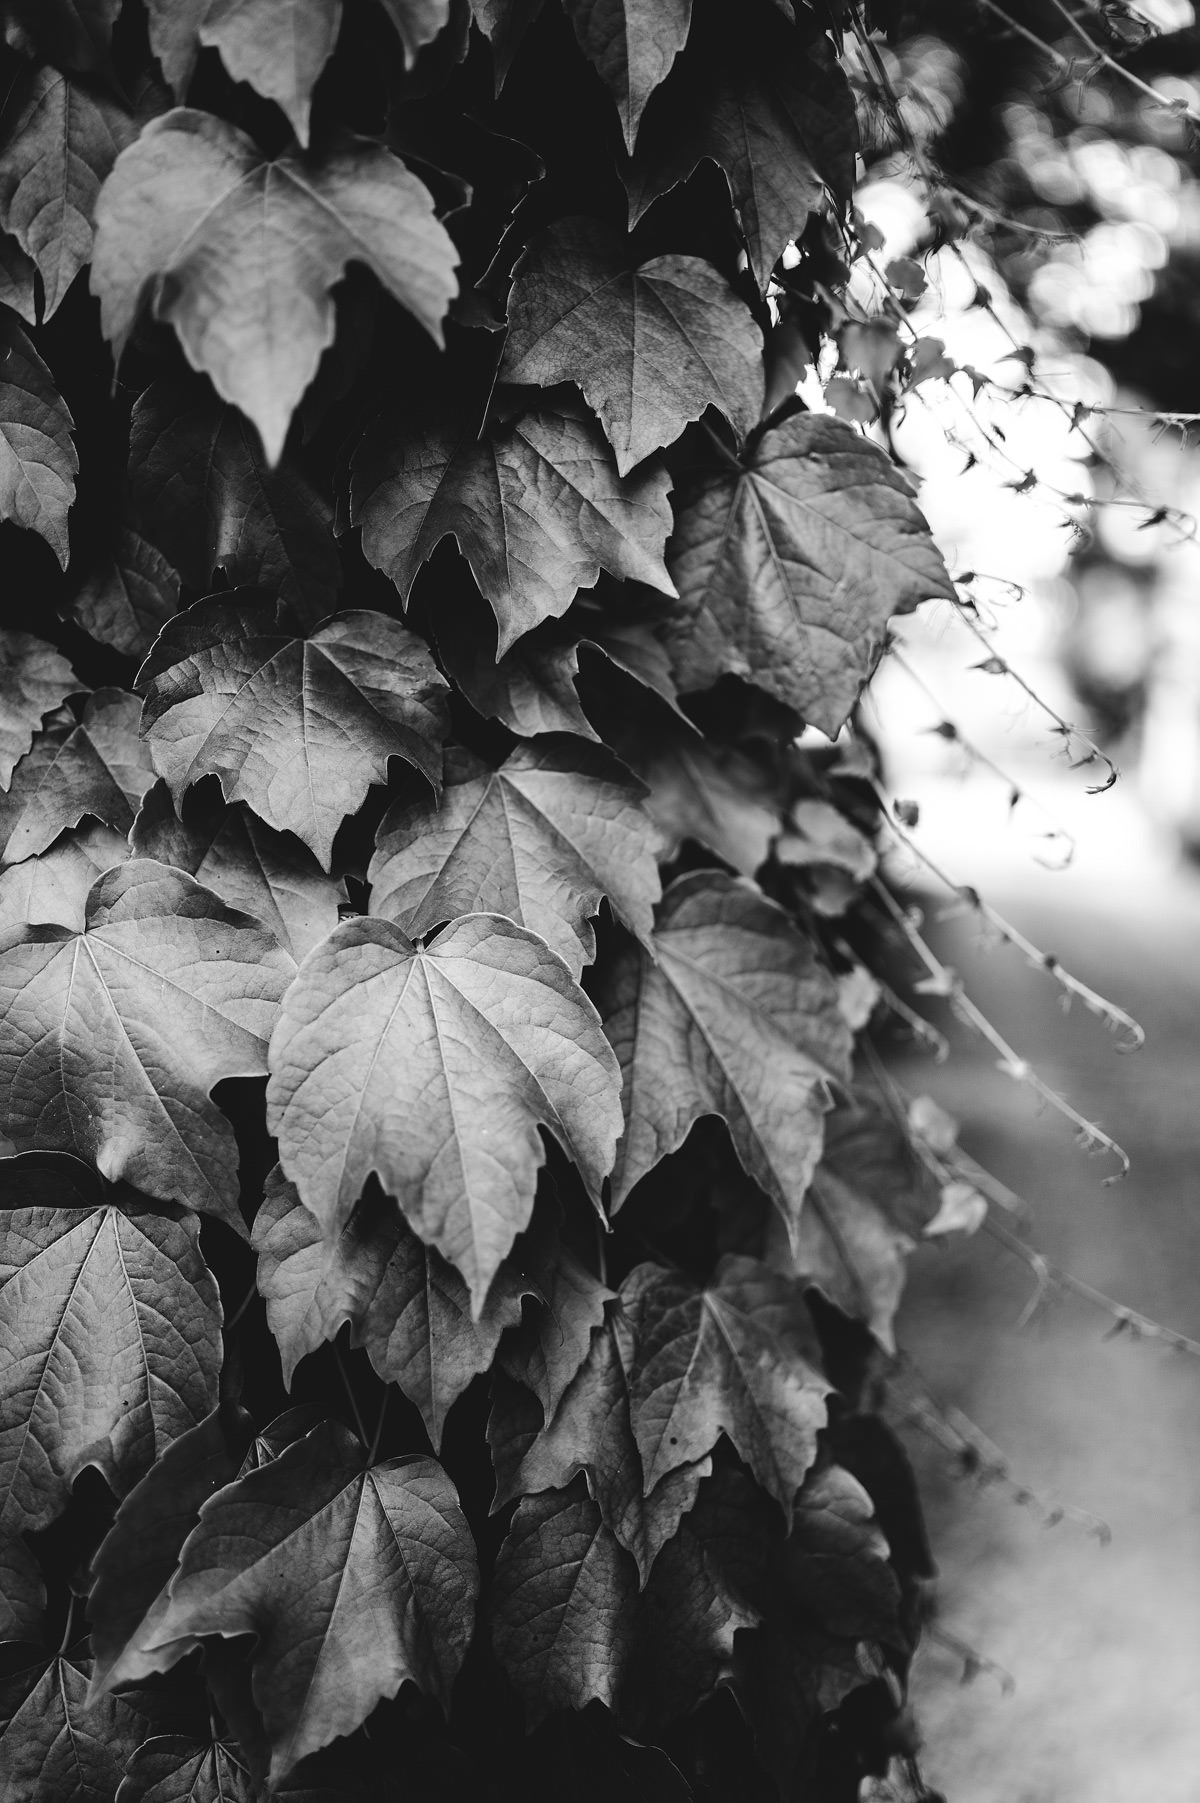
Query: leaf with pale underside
(129, 598)
(54, 888)
(61, 144)
(34, 680)
(650, 347)
(240, 253)
(279, 46)
(562, 1604)
(55, 1746)
(97, 766)
(112, 1039)
(110, 1325)
(737, 1357)
(432, 1067)
(352, 1579)
(296, 727)
(632, 45)
(38, 459)
(229, 849)
(206, 500)
(537, 509)
(737, 1018)
(790, 566)
(542, 840)
(405, 1304)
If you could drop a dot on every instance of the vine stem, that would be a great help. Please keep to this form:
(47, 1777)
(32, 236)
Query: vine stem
(974, 1663)
(377, 1436)
(349, 1389)
(241, 1308)
(69, 1625)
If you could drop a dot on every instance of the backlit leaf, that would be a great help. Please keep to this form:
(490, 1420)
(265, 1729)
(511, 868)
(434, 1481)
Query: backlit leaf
(114, 1037)
(240, 253)
(737, 1018)
(537, 509)
(789, 567)
(279, 46)
(631, 44)
(55, 887)
(34, 680)
(111, 1327)
(433, 1068)
(56, 1745)
(298, 728)
(650, 348)
(127, 601)
(98, 766)
(38, 460)
(543, 839)
(352, 1579)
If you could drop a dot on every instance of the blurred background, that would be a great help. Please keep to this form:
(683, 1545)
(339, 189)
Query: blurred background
(1044, 309)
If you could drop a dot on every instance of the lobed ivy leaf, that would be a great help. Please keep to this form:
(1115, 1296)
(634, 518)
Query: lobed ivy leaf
(58, 150)
(531, 688)
(737, 1017)
(789, 567)
(111, 1327)
(239, 253)
(22, 1590)
(127, 601)
(738, 1357)
(205, 499)
(18, 287)
(504, 24)
(650, 348)
(53, 888)
(632, 45)
(113, 1037)
(280, 49)
(353, 1580)
(536, 508)
(34, 680)
(562, 1604)
(407, 1306)
(543, 839)
(296, 727)
(97, 766)
(716, 795)
(433, 1068)
(172, 1768)
(38, 461)
(55, 1744)
(555, 1334)
(249, 865)
(72, 34)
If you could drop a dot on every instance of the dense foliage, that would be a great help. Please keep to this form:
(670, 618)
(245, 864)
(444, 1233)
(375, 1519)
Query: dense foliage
(450, 1245)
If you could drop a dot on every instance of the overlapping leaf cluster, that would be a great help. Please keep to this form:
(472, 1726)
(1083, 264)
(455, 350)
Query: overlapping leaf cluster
(443, 1235)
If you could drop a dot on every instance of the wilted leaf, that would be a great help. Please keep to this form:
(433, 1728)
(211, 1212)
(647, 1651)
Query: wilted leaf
(55, 887)
(542, 840)
(298, 728)
(631, 44)
(736, 1357)
(536, 508)
(57, 152)
(111, 1327)
(651, 348)
(34, 680)
(789, 567)
(280, 49)
(562, 1604)
(98, 767)
(406, 1305)
(352, 1580)
(433, 1067)
(38, 461)
(172, 1768)
(207, 501)
(737, 1018)
(126, 602)
(114, 1037)
(55, 1744)
(249, 865)
(240, 253)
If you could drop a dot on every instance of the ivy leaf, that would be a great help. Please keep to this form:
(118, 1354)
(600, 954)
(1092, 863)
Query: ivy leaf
(264, 873)
(112, 1327)
(22, 1590)
(206, 500)
(127, 601)
(279, 49)
(542, 840)
(17, 280)
(504, 24)
(53, 889)
(71, 34)
(57, 153)
(562, 1604)
(114, 1037)
(531, 688)
(714, 794)
(631, 44)
(55, 1745)
(239, 254)
(789, 566)
(406, 1305)
(650, 348)
(556, 1333)
(735, 1357)
(298, 728)
(416, 23)
(136, 1561)
(171, 1768)
(536, 507)
(433, 1067)
(352, 1580)
(38, 461)
(773, 112)
(98, 766)
(737, 1018)
(34, 680)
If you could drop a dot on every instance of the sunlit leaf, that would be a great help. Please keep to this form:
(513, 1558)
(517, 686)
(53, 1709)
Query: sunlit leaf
(34, 680)
(97, 766)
